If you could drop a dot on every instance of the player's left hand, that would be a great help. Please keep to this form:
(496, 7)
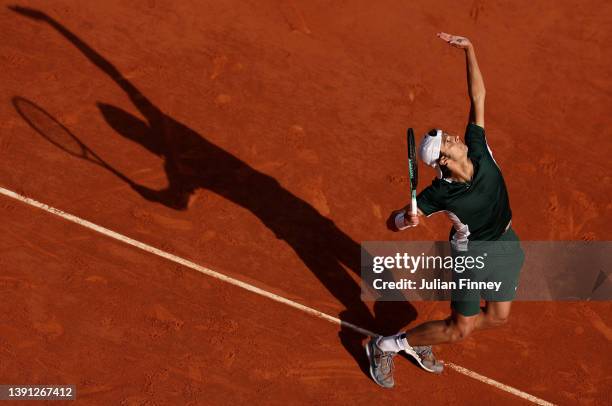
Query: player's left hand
(455, 40)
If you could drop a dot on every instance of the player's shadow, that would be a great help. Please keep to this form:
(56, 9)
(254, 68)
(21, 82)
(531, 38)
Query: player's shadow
(192, 162)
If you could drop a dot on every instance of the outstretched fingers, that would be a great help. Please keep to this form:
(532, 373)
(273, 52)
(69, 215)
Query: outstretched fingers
(454, 40)
(445, 36)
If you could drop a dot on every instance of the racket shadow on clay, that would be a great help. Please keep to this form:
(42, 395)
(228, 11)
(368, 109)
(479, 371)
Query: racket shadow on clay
(49, 128)
(192, 162)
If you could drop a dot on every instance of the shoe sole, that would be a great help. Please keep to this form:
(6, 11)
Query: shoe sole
(367, 348)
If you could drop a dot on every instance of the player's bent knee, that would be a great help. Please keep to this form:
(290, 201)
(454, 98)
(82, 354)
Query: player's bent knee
(498, 321)
(459, 335)
(459, 332)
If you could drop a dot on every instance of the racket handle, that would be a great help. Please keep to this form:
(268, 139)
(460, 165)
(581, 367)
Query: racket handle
(413, 205)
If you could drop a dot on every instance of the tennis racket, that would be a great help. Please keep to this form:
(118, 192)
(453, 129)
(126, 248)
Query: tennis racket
(57, 134)
(413, 170)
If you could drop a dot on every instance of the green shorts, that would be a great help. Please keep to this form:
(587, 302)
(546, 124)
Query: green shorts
(496, 281)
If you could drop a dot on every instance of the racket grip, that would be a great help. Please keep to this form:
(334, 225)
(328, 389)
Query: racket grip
(413, 205)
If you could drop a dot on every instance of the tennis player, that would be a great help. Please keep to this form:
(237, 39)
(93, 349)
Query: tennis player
(471, 191)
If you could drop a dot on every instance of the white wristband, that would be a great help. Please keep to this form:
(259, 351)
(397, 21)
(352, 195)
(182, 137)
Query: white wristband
(399, 221)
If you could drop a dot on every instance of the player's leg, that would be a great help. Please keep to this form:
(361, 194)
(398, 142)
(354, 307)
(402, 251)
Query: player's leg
(505, 260)
(465, 318)
(494, 314)
(417, 343)
(455, 328)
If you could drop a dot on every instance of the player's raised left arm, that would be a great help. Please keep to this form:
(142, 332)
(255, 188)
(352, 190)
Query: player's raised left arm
(476, 87)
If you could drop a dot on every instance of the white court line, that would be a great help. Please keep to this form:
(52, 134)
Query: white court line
(251, 288)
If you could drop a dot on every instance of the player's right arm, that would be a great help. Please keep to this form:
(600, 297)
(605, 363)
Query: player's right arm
(476, 87)
(411, 220)
(429, 201)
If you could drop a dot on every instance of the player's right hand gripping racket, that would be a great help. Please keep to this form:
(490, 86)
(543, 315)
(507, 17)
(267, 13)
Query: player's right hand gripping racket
(413, 171)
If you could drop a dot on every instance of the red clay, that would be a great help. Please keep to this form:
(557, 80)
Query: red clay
(279, 127)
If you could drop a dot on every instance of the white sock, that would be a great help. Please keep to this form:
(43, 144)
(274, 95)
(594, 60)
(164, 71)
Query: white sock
(394, 343)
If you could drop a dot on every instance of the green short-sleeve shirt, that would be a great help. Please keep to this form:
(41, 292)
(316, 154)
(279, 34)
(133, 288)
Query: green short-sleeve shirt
(479, 209)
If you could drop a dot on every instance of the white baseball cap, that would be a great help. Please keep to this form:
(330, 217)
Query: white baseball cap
(430, 149)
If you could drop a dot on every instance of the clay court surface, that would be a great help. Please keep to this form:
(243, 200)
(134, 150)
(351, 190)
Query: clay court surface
(275, 133)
